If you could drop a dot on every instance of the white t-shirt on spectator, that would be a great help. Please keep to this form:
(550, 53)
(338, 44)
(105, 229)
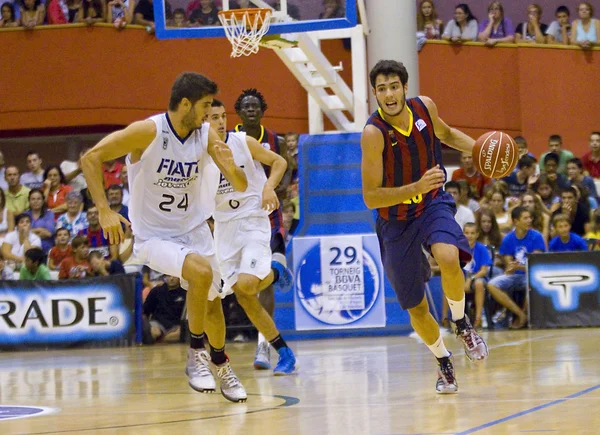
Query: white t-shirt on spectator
(33, 181)
(3, 183)
(17, 247)
(555, 30)
(463, 215)
(78, 183)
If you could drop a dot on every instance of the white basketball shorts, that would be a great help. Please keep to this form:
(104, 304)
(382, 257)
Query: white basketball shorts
(243, 246)
(167, 255)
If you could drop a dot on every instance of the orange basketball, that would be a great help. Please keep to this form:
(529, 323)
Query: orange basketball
(495, 154)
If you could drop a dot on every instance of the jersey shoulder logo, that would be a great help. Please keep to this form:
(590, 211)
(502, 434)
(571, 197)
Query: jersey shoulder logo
(420, 124)
(165, 142)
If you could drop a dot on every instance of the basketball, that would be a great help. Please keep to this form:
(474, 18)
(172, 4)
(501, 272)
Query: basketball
(495, 154)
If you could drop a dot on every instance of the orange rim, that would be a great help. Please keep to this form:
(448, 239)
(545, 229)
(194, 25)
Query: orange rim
(251, 12)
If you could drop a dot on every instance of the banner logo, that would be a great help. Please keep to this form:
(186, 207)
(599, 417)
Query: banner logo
(564, 285)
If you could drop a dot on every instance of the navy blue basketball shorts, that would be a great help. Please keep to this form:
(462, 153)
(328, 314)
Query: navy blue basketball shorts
(402, 243)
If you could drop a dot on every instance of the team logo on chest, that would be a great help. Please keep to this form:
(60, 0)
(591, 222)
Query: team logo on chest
(176, 175)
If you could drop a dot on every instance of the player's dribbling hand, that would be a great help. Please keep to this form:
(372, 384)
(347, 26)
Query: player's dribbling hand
(432, 179)
(110, 221)
(270, 201)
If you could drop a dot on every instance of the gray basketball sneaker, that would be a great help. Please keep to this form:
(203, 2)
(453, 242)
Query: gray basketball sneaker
(262, 359)
(475, 347)
(446, 382)
(200, 377)
(231, 387)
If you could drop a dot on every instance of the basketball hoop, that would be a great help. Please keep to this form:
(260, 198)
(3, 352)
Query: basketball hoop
(245, 28)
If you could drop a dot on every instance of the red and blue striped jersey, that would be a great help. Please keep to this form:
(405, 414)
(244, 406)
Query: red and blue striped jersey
(407, 155)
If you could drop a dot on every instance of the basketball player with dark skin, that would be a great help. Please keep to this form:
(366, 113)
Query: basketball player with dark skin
(250, 107)
(402, 177)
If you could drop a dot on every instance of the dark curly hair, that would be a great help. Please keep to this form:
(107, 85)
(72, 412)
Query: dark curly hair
(250, 93)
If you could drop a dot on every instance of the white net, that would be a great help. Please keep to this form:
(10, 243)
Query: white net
(245, 29)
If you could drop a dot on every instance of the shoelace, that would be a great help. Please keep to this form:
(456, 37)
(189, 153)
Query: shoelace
(447, 371)
(227, 376)
(472, 339)
(201, 364)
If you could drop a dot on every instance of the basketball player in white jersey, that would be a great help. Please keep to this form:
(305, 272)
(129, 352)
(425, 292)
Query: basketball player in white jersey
(173, 163)
(243, 231)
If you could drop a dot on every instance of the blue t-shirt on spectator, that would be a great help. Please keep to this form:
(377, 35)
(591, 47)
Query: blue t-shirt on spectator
(519, 248)
(481, 257)
(515, 189)
(575, 243)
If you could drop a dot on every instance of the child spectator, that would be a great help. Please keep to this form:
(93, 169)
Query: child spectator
(575, 174)
(42, 219)
(7, 16)
(95, 236)
(463, 27)
(61, 250)
(205, 15)
(34, 179)
(119, 14)
(531, 31)
(91, 12)
(497, 201)
(518, 182)
(540, 218)
(33, 13)
(545, 189)
(578, 214)
(74, 219)
(34, 269)
(559, 31)
(289, 223)
(463, 214)
(591, 159)
(557, 180)
(331, 9)
(496, 28)
(55, 190)
(163, 309)
(76, 266)
(514, 249)
(586, 30)
(555, 146)
(102, 267)
(17, 242)
(179, 19)
(487, 228)
(428, 21)
(565, 241)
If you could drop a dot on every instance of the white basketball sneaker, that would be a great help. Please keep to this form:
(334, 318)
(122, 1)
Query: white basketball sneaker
(198, 370)
(231, 387)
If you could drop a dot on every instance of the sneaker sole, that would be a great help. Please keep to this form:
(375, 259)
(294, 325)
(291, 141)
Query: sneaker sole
(200, 390)
(282, 373)
(487, 354)
(261, 366)
(234, 400)
(446, 392)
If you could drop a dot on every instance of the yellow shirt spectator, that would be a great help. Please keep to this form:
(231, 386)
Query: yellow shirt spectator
(18, 202)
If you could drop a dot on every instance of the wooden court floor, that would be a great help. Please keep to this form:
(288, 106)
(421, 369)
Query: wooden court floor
(544, 382)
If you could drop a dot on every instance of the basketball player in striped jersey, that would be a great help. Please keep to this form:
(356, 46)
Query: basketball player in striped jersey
(243, 232)
(402, 176)
(250, 107)
(173, 182)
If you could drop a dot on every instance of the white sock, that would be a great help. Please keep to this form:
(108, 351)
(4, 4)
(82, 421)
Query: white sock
(439, 348)
(457, 308)
(261, 339)
(280, 258)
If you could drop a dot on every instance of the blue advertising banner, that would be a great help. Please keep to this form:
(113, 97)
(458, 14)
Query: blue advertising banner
(88, 312)
(338, 282)
(564, 289)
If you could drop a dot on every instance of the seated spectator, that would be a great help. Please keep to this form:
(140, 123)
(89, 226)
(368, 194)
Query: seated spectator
(42, 219)
(7, 218)
(119, 13)
(332, 9)
(76, 266)
(476, 270)
(58, 12)
(594, 227)
(463, 214)
(591, 159)
(579, 215)
(555, 146)
(163, 309)
(565, 241)
(488, 229)
(467, 197)
(144, 15)
(17, 195)
(496, 28)
(178, 20)
(102, 267)
(514, 249)
(518, 182)
(32, 13)
(206, 15)
(497, 203)
(74, 219)
(95, 236)
(557, 180)
(55, 190)
(583, 196)
(34, 179)
(7, 16)
(61, 250)
(477, 181)
(17, 242)
(125, 185)
(540, 219)
(546, 191)
(114, 195)
(292, 10)
(291, 140)
(522, 146)
(586, 30)
(7, 273)
(72, 170)
(463, 27)
(575, 173)
(34, 268)
(91, 12)
(290, 224)
(559, 31)
(531, 31)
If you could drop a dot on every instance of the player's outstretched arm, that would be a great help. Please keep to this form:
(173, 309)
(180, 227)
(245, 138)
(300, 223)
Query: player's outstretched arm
(133, 139)
(448, 135)
(223, 158)
(376, 196)
(278, 166)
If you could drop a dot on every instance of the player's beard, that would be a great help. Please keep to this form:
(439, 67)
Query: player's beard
(189, 120)
(402, 103)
